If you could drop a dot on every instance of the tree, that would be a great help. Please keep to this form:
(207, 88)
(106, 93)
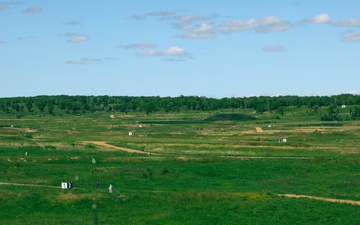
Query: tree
(332, 115)
(29, 106)
(50, 108)
(355, 113)
(41, 105)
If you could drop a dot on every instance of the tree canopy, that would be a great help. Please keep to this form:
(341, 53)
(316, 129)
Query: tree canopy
(151, 104)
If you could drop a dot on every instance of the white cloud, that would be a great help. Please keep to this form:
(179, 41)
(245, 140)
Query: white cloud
(346, 23)
(148, 53)
(79, 38)
(143, 45)
(76, 38)
(196, 27)
(322, 18)
(85, 60)
(174, 51)
(318, 19)
(203, 30)
(273, 48)
(162, 14)
(191, 18)
(171, 54)
(350, 36)
(266, 24)
(33, 10)
(90, 59)
(76, 62)
(195, 35)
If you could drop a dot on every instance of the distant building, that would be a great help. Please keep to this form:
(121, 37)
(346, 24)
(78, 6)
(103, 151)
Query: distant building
(343, 106)
(131, 133)
(281, 140)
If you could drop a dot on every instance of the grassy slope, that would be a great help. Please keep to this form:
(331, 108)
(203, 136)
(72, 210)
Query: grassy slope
(202, 171)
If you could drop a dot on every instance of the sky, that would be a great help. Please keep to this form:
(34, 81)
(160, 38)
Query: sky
(227, 48)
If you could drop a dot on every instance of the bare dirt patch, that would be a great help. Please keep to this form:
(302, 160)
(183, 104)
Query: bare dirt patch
(104, 144)
(334, 200)
(259, 130)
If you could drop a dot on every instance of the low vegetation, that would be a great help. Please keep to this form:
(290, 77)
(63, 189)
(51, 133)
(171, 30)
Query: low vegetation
(219, 166)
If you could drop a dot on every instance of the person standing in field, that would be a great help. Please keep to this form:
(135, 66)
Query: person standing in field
(97, 183)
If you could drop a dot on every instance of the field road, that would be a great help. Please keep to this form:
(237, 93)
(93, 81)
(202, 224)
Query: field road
(321, 199)
(104, 144)
(29, 185)
(333, 200)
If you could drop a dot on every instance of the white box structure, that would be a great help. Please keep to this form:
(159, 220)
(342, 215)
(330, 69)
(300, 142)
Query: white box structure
(66, 185)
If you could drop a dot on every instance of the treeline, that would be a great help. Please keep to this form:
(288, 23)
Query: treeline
(86, 104)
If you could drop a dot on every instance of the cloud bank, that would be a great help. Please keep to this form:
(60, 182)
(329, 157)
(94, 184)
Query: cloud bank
(322, 18)
(347, 23)
(350, 36)
(172, 51)
(266, 24)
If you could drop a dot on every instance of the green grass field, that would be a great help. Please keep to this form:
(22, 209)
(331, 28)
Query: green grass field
(218, 167)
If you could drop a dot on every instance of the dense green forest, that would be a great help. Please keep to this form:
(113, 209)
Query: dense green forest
(64, 104)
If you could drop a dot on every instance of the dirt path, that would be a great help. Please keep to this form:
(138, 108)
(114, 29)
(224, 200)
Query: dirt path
(321, 199)
(333, 200)
(104, 144)
(28, 185)
(259, 130)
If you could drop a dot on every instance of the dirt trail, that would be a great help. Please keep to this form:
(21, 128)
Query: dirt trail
(322, 199)
(28, 185)
(104, 144)
(333, 200)
(259, 130)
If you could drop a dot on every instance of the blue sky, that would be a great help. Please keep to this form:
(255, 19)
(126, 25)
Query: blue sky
(227, 48)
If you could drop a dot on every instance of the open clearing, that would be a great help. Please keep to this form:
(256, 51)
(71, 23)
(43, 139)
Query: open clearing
(104, 144)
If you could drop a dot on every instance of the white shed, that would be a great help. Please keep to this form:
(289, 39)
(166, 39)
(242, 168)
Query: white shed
(281, 140)
(131, 133)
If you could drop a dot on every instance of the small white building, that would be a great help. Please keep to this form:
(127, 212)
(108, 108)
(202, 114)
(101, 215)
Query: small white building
(131, 133)
(282, 140)
(343, 106)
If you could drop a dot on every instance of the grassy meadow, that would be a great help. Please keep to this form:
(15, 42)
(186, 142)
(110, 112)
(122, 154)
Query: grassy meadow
(205, 167)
